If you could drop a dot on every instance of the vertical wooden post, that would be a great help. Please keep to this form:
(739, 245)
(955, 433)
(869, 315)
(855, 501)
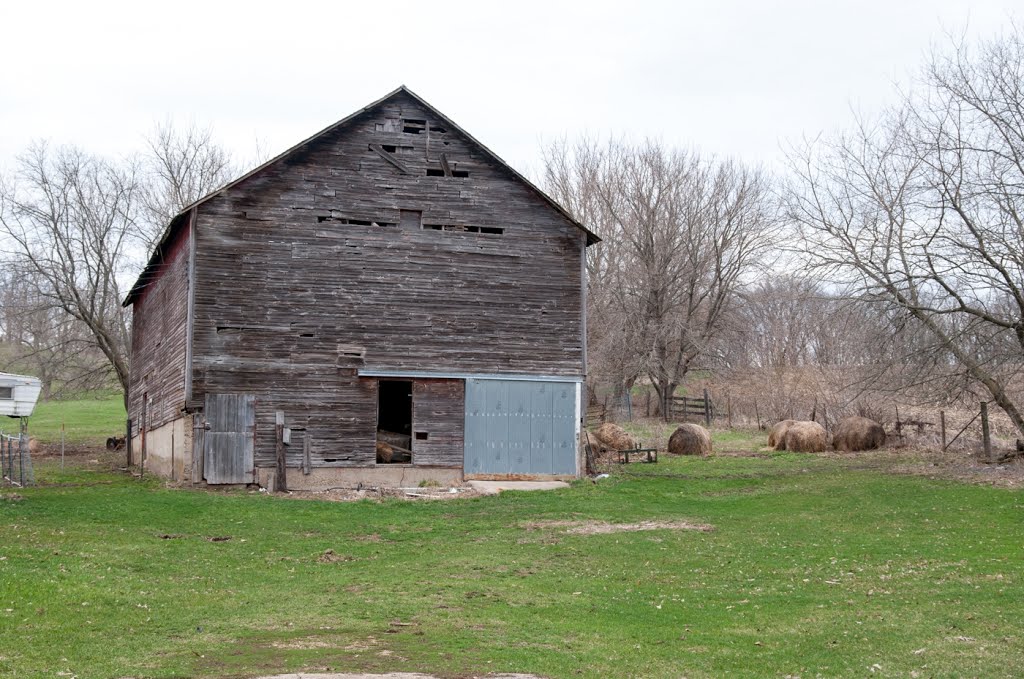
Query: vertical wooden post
(707, 408)
(307, 463)
(757, 415)
(942, 427)
(986, 437)
(142, 436)
(728, 408)
(281, 477)
(814, 410)
(198, 447)
(128, 442)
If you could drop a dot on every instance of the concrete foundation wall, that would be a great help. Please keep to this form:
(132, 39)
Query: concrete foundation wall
(168, 450)
(322, 478)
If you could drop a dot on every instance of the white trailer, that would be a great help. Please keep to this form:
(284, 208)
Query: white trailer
(18, 394)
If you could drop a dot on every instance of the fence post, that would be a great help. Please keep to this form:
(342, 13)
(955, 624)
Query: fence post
(728, 408)
(707, 408)
(281, 477)
(757, 415)
(942, 426)
(986, 438)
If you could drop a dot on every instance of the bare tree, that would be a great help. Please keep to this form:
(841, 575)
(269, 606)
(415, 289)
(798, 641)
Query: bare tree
(923, 212)
(70, 218)
(179, 166)
(45, 342)
(76, 229)
(680, 234)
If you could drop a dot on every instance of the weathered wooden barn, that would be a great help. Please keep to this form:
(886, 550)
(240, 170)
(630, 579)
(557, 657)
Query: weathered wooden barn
(408, 303)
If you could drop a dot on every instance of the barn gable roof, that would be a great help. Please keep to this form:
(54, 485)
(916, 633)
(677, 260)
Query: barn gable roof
(152, 267)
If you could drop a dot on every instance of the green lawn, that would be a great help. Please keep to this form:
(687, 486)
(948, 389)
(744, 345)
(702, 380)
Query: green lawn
(813, 568)
(88, 420)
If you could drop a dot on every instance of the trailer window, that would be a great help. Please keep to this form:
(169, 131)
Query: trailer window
(6, 393)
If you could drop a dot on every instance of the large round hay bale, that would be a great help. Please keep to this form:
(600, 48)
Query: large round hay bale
(690, 439)
(777, 434)
(858, 433)
(805, 437)
(613, 437)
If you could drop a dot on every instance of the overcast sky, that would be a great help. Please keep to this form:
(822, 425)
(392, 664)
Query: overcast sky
(731, 78)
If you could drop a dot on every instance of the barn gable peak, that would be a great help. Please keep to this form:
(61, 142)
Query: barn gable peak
(152, 267)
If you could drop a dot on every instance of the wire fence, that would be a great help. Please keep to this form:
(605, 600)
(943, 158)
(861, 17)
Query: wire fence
(15, 461)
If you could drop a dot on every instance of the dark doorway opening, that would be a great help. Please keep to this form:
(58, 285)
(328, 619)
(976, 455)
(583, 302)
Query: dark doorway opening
(394, 421)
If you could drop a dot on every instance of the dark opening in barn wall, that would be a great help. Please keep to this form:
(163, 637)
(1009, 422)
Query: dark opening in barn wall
(394, 421)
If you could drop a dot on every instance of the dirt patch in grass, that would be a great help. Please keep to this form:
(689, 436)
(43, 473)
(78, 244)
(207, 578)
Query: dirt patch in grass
(392, 675)
(603, 527)
(330, 556)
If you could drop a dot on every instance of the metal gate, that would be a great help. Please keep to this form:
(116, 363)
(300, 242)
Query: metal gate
(230, 438)
(520, 427)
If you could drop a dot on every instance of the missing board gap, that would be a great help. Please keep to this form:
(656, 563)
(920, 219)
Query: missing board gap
(396, 148)
(439, 172)
(413, 125)
(353, 222)
(438, 130)
(351, 351)
(462, 228)
(422, 436)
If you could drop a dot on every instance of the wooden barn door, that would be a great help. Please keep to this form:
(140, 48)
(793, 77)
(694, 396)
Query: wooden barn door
(230, 438)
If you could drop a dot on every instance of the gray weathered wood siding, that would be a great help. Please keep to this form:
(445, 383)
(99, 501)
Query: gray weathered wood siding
(353, 253)
(438, 410)
(159, 333)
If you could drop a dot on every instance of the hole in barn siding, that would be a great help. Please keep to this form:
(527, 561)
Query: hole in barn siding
(422, 435)
(459, 228)
(353, 222)
(413, 126)
(439, 172)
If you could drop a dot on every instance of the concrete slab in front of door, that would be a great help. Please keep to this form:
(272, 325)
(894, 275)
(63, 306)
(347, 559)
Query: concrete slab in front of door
(495, 487)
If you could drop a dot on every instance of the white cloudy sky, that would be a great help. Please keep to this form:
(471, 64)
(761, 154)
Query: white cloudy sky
(729, 77)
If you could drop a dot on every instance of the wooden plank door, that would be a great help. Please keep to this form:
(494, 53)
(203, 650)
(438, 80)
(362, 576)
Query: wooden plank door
(230, 438)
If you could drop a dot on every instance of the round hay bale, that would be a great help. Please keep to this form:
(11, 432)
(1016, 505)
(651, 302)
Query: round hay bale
(858, 433)
(690, 439)
(805, 437)
(777, 434)
(613, 437)
(33, 445)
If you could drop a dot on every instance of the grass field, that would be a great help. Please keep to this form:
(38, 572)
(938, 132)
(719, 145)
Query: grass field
(88, 420)
(815, 566)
